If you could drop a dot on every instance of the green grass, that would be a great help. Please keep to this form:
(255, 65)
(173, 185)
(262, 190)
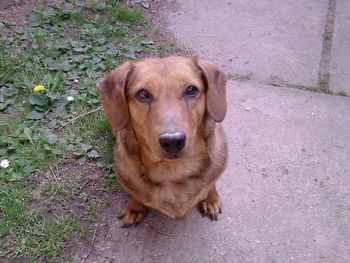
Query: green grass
(342, 93)
(165, 48)
(240, 77)
(313, 89)
(328, 35)
(125, 14)
(67, 50)
(324, 86)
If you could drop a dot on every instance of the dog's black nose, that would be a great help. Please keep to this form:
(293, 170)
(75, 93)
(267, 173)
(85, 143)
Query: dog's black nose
(172, 142)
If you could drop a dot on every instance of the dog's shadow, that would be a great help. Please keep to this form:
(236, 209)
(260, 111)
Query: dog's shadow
(157, 232)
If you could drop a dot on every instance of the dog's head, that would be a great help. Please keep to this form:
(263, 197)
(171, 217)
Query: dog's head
(165, 101)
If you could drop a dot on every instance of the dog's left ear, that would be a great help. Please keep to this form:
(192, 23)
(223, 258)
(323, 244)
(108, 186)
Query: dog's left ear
(215, 82)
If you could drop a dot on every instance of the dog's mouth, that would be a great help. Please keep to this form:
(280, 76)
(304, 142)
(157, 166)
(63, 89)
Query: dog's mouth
(172, 156)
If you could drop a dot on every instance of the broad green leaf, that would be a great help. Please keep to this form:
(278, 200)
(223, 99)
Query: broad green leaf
(27, 132)
(101, 40)
(59, 101)
(96, 59)
(130, 56)
(52, 95)
(56, 151)
(8, 23)
(133, 47)
(48, 12)
(15, 176)
(100, 164)
(68, 7)
(86, 147)
(28, 168)
(39, 99)
(145, 4)
(35, 115)
(60, 111)
(11, 101)
(65, 66)
(71, 147)
(81, 160)
(19, 31)
(80, 3)
(47, 147)
(147, 42)
(52, 138)
(81, 49)
(40, 108)
(3, 106)
(79, 152)
(93, 154)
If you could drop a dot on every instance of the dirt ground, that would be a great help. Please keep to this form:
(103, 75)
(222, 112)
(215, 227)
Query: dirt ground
(283, 143)
(13, 13)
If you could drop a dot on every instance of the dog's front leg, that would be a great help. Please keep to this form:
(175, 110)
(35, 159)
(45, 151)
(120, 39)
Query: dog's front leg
(133, 213)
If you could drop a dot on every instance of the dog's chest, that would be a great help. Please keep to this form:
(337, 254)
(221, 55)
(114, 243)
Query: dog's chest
(179, 186)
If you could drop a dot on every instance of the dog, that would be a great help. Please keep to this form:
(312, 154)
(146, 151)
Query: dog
(170, 147)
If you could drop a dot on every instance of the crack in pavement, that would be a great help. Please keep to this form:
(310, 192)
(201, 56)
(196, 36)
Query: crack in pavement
(324, 68)
(248, 78)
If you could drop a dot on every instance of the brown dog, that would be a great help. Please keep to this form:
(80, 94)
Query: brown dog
(170, 147)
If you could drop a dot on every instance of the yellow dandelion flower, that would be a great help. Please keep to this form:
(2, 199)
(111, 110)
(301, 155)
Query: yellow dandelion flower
(39, 88)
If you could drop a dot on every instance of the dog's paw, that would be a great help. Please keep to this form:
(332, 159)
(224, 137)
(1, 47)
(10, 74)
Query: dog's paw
(210, 208)
(131, 217)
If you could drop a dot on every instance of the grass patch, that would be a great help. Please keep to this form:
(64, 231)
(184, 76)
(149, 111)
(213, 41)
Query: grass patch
(324, 86)
(48, 73)
(314, 89)
(165, 48)
(328, 35)
(342, 93)
(125, 14)
(240, 77)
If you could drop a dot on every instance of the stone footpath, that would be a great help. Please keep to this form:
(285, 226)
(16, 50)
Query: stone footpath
(286, 192)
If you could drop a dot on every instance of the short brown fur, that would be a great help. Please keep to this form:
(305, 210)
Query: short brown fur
(155, 178)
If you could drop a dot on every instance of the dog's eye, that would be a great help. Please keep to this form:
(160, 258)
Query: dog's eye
(144, 96)
(191, 91)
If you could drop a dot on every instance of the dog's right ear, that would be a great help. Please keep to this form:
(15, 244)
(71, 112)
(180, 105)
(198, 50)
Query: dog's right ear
(112, 96)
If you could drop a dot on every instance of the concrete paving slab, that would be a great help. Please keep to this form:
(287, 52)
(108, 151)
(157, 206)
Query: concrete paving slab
(340, 65)
(271, 39)
(285, 192)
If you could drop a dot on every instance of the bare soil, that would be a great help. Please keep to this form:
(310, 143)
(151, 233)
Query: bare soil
(91, 177)
(14, 11)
